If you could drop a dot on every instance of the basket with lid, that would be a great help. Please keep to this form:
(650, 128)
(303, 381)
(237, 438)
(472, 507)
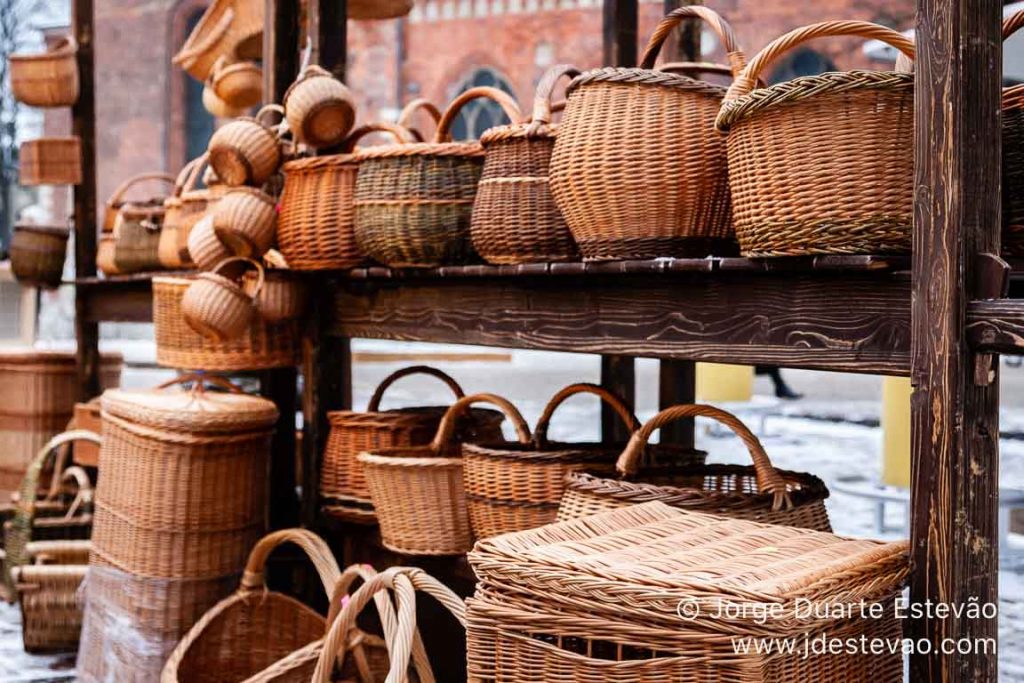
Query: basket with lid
(343, 489)
(515, 219)
(413, 202)
(38, 253)
(50, 161)
(49, 79)
(138, 225)
(759, 492)
(638, 169)
(855, 128)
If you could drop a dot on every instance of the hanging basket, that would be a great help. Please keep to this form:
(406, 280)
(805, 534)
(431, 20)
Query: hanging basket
(50, 161)
(49, 79)
(413, 202)
(204, 247)
(37, 255)
(239, 85)
(822, 164)
(218, 107)
(378, 9)
(283, 295)
(320, 109)
(515, 219)
(246, 151)
(245, 220)
(217, 306)
(638, 169)
(227, 27)
(418, 491)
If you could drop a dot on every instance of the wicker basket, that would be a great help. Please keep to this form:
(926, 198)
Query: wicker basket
(283, 295)
(245, 220)
(217, 306)
(515, 219)
(418, 491)
(120, 197)
(263, 347)
(204, 247)
(315, 227)
(218, 107)
(48, 591)
(87, 417)
(378, 9)
(49, 79)
(246, 151)
(172, 250)
(343, 488)
(637, 595)
(239, 85)
(228, 27)
(38, 254)
(759, 492)
(638, 170)
(1013, 156)
(51, 161)
(855, 128)
(407, 117)
(105, 249)
(320, 109)
(413, 202)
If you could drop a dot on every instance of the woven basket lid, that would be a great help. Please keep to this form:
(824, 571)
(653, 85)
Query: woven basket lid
(17, 356)
(191, 412)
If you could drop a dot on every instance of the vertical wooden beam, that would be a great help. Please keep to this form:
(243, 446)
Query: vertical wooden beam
(333, 36)
(684, 44)
(618, 375)
(677, 384)
(620, 28)
(83, 124)
(954, 409)
(280, 47)
(279, 386)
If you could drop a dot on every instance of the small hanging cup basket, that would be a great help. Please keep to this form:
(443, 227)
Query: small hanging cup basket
(245, 220)
(320, 109)
(246, 151)
(217, 306)
(239, 84)
(284, 296)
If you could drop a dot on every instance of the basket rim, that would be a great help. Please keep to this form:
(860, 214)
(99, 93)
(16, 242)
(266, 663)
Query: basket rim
(561, 451)
(317, 163)
(518, 131)
(59, 230)
(468, 149)
(338, 417)
(30, 356)
(656, 78)
(408, 456)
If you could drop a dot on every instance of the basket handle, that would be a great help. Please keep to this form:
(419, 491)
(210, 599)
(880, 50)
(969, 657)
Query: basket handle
(197, 170)
(712, 18)
(184, 175)
(446, 430)
(84, 493)
(200, 380)
(314, 547)
(1013, 23)
(374, 405)
(508, 105)
(540, 434)
(409, 110)
(260, 272)
(30, 483)
(768, 478)
(208, 41)
(400, 134)
(268, 109)
(139, 178)
(542, 106)
(747, 80)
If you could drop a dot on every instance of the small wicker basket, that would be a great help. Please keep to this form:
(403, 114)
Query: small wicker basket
(283, 296)
(172, 250)
(119, 198)
(38, 253)
(218, 107)
(48, 592)
(320, 109)
(49, 79)
(245, 220)
(204, 247)
(219, 307)
(246, 151)
(51, 161)
(105, 248)
(228, 27)
(239, 84)
(407, 117)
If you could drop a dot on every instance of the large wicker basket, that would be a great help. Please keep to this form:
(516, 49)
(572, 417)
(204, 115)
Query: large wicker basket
(418, 491)
(413, 202)
(759, 492)
(228, 27)
(822, 164)
(50, 161)
(38, 253)
(49, 79)
(638, 170)
(343, 489)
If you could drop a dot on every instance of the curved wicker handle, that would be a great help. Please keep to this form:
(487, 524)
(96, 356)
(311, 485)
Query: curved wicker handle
(185, 174)
(200, 380)
(747, 80)
(542, 106)
(201, 46)
(712, 18)
(374, 405)
(84, 493)
(768, 479)
(197, 171)
(139, 178)
(420, 103)
(267, 109)
(540, 434)
(400, 134)
(1013, 23)
(446, 430)
(508, 105)
(314, 546)
(30, 483)
(260, 272)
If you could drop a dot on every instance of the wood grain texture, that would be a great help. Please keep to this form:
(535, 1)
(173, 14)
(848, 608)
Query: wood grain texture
(618, 375)
(677, 381)
(996, 326)
(954, 422)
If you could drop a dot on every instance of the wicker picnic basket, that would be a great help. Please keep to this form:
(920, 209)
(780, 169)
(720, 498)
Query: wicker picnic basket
(638, 595)
(50, 161)
(407, 117)
(320, 109)
(413, 202)
(638, 170)
(511, 487)
(49, 79)
(515, 219)
(343, 489)
(759, 492)
(1013, 155)
(245, 220)
(218, 306)
(228, 27)
(855, 128)
(38, 253)
(238, 84)
(418, 492)
(379, 9)
(246, 151)
(315, 226)
(48, 591)
(123, 196)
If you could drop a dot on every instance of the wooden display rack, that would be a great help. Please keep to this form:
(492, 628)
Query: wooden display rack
(940, 318)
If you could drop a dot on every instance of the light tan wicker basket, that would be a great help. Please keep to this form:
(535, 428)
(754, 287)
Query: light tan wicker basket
(172, 250)
(246, 151)
(284, 295)
(204, 247)
(49, 79)
(245, 220)
(50, 161)
(228, 27)
(218, 107)
(320, 109)
(238, 84)
(218, 306)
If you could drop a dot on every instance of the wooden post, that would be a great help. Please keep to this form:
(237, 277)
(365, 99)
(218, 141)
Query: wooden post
(280, 47)
(279, 386)
(620, 28)
(684, 45)
(955, 404)
(618, 375)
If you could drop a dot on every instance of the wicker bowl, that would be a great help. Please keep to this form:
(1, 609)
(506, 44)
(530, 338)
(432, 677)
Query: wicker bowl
(246, 151)
(49, 79)
(218, 107)
(320, 109)
(238, 85)
(245, 220)
(38, 254)
(217, 306)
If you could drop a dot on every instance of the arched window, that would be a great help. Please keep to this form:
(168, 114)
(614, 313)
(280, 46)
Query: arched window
(805, 62)
(480, 114)
(198, 121)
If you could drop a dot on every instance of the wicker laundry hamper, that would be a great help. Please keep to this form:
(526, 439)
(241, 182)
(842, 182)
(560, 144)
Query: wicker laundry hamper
(228, 27)
(1013, 155)
(413, 202)
(49, 79)
(418, 491)
(48, 592)
(638, 595)
(855, 129)
(38, 253)
(50, 161)
(638, 170)
(515, 219)
(759, 492)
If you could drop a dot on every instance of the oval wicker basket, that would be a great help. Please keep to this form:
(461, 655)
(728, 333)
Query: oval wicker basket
(315, 226)
(245, 221)
(49, 79)
(343, 489)
(414, 202)
(320, 109)
(638, 169)
(219, 307)
(246, 151)
(855, 128)
(1013, 155)
(38, 253)
(239, 85)
(227, 27)
(418, 491)
(515, 219)
(760, 492)
(50, 161)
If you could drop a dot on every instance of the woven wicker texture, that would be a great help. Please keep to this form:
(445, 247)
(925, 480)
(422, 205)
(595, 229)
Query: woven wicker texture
(822, 164)
(239, 84)
(49, 79)
(105, 254)
(204, 247)
(37, 255)
(128, 193)
(1013, 156)
(219, 307)
(759, 492)
(413, 202)
(515, 219)
(51, 610)
(283, 296)
(320, 109)
(315, 226)
(418, 491)
(637, 168)
(245, 220)
(246, 151)
(598, 599)
(50, 161)
(343, 488)
(179, 217)
(179, 346)
(228, 27)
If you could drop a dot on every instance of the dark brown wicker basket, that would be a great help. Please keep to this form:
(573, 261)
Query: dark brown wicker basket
(37, 254)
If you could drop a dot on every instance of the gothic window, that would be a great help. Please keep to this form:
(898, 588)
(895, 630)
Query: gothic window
(198, 121)
(482, 113)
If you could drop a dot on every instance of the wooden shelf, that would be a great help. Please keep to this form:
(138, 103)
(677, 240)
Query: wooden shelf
(118, 298)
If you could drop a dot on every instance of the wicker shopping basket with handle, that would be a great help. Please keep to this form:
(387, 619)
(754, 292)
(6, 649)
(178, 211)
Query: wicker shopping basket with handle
(638, 170)
(822, 164)
(343, 488)
(759, 492)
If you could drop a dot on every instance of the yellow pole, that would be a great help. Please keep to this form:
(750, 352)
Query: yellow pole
(896, 431)
(718, 383)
